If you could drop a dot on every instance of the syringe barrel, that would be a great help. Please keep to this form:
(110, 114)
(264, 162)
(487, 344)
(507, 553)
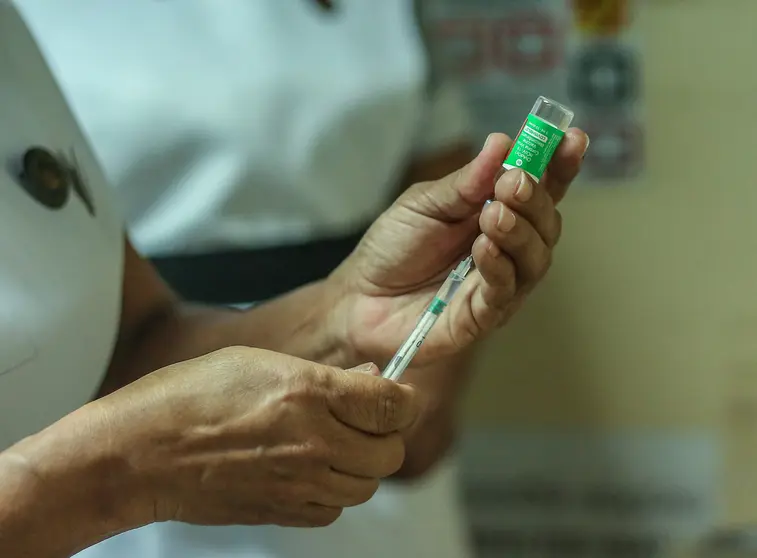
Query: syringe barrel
(411, 346)
(539, 137)
(446, 292)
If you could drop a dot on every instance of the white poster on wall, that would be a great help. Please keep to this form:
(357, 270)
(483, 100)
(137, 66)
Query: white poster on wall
(542, 494)
(583, 53)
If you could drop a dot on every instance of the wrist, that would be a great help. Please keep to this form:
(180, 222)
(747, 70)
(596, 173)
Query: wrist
(74, 484)
(336, 309)
(307, 323)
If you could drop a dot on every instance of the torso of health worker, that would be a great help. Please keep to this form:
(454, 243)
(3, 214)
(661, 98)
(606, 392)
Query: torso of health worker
(122, 406)
(251, 129)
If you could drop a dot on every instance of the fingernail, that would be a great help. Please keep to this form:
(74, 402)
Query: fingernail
(524, 189)
(488, 139)
(586, 147)
(493, 250)
(506, 218)
(364, 368)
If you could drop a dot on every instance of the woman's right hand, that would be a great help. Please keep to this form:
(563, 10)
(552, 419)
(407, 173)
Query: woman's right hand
(246, 436)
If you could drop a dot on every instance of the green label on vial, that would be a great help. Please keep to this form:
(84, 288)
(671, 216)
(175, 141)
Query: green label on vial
(437, 306)
(534, 147)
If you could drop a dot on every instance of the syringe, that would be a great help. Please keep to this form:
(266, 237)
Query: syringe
(412, 344)
(531, 151)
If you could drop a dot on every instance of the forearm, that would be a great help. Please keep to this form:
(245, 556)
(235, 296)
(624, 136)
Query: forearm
(62, 490)
(295, 324)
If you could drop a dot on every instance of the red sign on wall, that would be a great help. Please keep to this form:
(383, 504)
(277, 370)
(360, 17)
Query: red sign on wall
(466, 44)
(527, 43)
(521, 43)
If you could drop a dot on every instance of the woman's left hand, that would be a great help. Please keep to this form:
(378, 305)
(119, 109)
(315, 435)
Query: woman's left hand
(392, 276)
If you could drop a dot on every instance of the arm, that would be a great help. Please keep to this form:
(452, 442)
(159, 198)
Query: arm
(75, 482)
(202, 442)
(60, 493)
(158, 329)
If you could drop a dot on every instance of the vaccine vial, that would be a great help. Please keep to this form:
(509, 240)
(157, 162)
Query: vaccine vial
(539, 137)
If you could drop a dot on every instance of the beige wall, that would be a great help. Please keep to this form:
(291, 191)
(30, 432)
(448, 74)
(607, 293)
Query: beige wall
(649, 317)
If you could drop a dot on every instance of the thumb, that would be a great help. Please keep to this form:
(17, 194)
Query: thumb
(461, 194)
(367, 368)
(373, 405)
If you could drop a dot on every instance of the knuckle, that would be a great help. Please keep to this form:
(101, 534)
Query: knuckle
(495, 297)
(518, 238)
(286, 493)
(503, 315)
(326, 517)
(469, 332)
(366, 492)
(302, 394)
(541, 261)
(395, 455)
(315, 377)
(508, 278)
(387, 455)
(506, 293)
(231, 355)
(317, 450)
(556, 229)
(295, 493)
(387, 406)
(511, 284)
(545, 262)
(323, 376)
(308, 385)
(458, 176)
(286, 469)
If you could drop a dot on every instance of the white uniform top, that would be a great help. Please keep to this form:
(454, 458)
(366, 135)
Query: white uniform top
(213, 142)
(241, 123)
(60, 269)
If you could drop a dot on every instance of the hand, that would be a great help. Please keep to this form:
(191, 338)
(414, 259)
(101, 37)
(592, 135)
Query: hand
(393, 274)
(246, 436)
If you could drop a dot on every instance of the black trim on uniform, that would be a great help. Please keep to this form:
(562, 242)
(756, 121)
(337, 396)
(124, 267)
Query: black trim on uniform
(241, 276)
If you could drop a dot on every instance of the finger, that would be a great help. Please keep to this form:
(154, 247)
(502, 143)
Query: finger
(460, 194)
(497, 269)
(488, 308)
(517, 191)
(310, 515)
(367, 455)
(515, 236)
(565, 164)
(373, 405)
(337, 490)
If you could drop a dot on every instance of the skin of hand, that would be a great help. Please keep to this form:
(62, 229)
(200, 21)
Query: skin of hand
(264, 439)
(367, 307)
(239, 436)
(405, 256)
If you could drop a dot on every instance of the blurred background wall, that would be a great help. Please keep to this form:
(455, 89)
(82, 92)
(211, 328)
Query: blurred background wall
(647, 324)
